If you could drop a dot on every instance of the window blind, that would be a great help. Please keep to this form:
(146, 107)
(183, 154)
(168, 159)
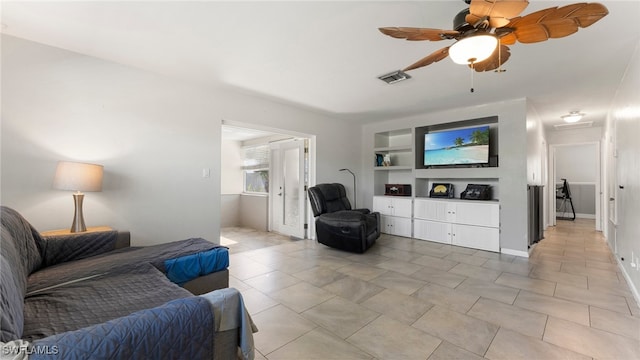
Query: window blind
(255, 157)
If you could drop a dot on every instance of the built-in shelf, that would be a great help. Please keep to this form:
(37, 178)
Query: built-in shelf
(391, 168)
(459, 200)
(458, 173)
(393, 149)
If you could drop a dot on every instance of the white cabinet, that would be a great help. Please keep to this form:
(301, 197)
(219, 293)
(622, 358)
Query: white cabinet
(393, 225)
(475, 213)
(434, 210)
(432, 231)
(464, 223)
(477, 237)
(395, 214)
(392, 206)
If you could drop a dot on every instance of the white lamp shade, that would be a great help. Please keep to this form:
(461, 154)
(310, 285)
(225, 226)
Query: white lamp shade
(473, 49)
(78, 176)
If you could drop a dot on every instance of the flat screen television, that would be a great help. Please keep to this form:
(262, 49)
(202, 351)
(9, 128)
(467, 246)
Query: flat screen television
(464, 146)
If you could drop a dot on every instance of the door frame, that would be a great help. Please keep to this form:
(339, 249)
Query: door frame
(552, 181)
(311, 158)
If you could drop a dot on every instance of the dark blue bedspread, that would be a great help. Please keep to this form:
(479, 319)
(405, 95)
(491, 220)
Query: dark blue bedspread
(179, 329)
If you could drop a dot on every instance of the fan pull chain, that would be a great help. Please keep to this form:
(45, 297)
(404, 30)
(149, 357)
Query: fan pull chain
(471, 67)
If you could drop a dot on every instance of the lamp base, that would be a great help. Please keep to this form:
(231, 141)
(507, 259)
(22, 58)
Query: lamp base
(78, 218)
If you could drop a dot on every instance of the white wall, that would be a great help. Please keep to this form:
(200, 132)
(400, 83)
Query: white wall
(231, 167)
(624, 123)
(577, 163)
(154, 136)
(512, 171)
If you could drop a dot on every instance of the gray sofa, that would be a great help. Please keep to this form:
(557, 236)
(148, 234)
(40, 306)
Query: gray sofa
(93, 296)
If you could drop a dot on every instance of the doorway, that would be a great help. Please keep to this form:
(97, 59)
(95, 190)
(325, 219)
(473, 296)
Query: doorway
(575, 167)
(268, 177)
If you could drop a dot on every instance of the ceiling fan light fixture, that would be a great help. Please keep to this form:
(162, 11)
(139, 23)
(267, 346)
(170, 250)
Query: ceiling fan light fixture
(572, 117)
(473, 49)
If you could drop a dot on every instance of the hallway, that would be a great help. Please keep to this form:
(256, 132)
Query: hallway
(414, 299)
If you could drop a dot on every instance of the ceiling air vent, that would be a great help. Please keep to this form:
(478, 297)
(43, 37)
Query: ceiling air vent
(578, 125)
(394, 77)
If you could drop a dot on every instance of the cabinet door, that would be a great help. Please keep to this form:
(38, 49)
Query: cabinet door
(432, 231)
(401, 207)
(395, 226)
(477, 237)
(434, 210)
(482, 214)
(382, 205)
(386, 224)
(402, 226)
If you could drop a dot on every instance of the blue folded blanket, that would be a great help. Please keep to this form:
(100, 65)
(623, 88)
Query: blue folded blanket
(185, 268)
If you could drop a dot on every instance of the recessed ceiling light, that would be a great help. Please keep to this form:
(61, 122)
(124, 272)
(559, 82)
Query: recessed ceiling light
(573, 116)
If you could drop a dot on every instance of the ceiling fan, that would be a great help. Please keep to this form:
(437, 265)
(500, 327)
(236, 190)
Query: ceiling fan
(484, 30)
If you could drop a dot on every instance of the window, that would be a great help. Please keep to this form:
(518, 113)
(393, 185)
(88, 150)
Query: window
(255, 169)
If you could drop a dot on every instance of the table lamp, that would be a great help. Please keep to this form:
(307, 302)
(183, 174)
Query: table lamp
(78, 177)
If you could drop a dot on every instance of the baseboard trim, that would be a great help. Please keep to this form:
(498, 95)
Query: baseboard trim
(520, 253)
(627, 278)
(585, 216)
(634, 290)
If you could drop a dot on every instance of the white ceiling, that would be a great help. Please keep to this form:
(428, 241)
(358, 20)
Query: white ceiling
(326, 56)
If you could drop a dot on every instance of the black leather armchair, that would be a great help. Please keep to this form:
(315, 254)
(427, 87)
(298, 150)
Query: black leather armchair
(337, 225)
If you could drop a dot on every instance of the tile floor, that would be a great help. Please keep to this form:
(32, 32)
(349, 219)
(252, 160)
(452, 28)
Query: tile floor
(412, 299)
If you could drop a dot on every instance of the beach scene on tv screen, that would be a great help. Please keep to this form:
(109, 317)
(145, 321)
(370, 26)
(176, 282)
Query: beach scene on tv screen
(460, 146)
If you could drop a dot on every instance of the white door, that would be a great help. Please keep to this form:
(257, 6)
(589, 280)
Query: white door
(287, 191)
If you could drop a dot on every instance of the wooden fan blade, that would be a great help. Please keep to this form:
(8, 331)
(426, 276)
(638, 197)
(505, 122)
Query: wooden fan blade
(429, 59)
(415, 34)
(494, 61)
(553, 23)
(498, 11)
(508, 39)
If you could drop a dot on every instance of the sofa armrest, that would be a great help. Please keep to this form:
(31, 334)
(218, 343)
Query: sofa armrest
(63, 248)
(179, 329)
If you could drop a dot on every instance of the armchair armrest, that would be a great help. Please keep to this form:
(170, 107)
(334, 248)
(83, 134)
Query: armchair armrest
(363, 211)
(63, 248)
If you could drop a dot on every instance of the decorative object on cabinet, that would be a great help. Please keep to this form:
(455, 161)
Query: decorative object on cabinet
(387, 160)
(441, 190)
(476, 192)
(78, 177)
(397, 189)
(379, 159)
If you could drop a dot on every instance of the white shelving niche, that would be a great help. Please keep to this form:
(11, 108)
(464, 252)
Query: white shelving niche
(398, 145)
(468, 223)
